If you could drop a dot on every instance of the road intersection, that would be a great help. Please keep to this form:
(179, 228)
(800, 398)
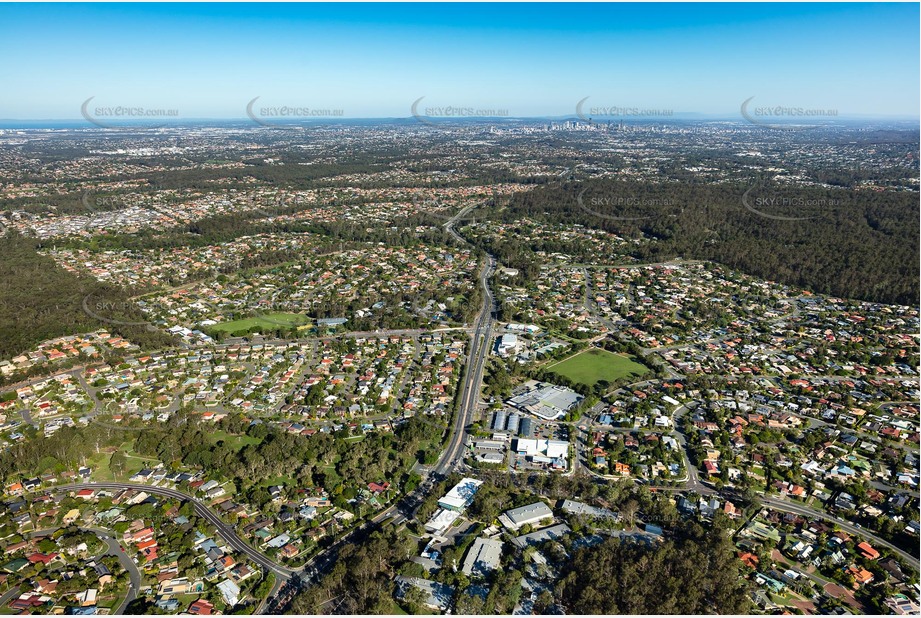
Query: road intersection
(289, 580)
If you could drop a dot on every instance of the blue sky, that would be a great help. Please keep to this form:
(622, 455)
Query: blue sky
(374, 60)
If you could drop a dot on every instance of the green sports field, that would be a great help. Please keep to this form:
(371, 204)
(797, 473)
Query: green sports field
(594, 365)
(269, 322)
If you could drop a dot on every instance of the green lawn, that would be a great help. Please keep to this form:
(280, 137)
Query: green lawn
(269, 322)
(593, 365)
(99, 462)
(236, 442)
(277, 480)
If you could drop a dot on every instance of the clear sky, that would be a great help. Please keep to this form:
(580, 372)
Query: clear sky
(374, 60)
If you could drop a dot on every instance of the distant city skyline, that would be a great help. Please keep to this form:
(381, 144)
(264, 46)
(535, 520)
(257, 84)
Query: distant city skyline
(631, 62)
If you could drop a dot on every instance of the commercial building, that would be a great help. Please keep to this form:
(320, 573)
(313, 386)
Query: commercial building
(498, 421)
(489, 445)
(554, 453)
(529, 447)
(523, 328)
(461, 495)
(437, 596)
(542, 536)
(546, 401)
(508, 344)
(484, 557)
(441, 521)
(491, 458)
(513, 519)
(526, 428)
(580, 508)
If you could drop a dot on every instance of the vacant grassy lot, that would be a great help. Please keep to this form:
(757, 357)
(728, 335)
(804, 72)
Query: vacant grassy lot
(99, 462)
(594, 365)
(236, 442)
(268, 322)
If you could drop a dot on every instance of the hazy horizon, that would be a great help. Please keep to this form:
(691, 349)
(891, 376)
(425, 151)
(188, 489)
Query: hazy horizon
(358, 61)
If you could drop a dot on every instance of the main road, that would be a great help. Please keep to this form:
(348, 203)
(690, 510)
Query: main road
(469, 395)
(480, 343)
(225, 530)
(789, 506)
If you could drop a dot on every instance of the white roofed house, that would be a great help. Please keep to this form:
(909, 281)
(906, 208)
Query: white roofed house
(671, 401)
(230, 592)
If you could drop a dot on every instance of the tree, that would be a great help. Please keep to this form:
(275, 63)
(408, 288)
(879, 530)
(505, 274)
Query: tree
(694, 573)
(628, 511)
(470, 604)
(544, 602)
(117, 462)
(415, 598)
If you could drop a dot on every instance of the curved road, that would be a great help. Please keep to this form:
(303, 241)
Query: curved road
(9, 595)
(113, 548)
(480, 343)
(134, 574)
(224, 530)
(801, 509)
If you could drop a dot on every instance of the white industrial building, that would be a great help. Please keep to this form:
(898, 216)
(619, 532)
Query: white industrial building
(542, 536)
(547, 401)
(508, 344)
(513, 519)
(484, 557)
(461, 495)
(523, 328)
(441, 521)
(553, 449)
